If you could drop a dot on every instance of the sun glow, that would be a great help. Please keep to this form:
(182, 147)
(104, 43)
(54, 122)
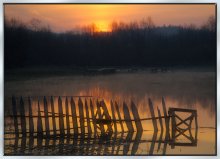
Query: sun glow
(103, 26)
(69, 16)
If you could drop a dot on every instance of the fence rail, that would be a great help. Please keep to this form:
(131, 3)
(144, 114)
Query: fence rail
(59, 118)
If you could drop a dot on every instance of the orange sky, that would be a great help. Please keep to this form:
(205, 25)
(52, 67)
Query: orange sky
(66, 17)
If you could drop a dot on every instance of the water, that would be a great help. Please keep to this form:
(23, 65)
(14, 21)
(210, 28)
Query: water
(193, 89)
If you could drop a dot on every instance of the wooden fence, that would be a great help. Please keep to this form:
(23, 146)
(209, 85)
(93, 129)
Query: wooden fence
(94, 119)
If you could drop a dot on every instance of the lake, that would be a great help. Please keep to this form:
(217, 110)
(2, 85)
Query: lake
(181, 88)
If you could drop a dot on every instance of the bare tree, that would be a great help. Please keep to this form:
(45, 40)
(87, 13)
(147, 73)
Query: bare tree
(147, 23)
(210, 24)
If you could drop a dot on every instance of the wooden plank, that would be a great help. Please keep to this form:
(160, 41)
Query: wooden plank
(107, 116)
(67, 117)
(61, 121)
(31, 121)
(173, 122)
(53, 116)
(74, 118)
(119, 116)
(87, 117)
(136, 117)
(161, 129)
(81, 116)
(167, 132)
(160, 119)
(23, 144)
(93, 116)
(136, 142)
(14, 112)
(31, 144)
(152, 115)
(196, 121)
(165, 114)
(154, 138)
(183, 110)
(100, 117)
(160, 140)
(39, 121)
(128, 140)
(23, 120)
(127, 118)
(47, 127)
(120, 140)
(113, 116)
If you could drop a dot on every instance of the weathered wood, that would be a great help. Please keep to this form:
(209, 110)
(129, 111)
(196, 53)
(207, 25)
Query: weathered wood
(160, 140)
(153, 115)
(23, 144)
(160, 119)
(61, 121)
(113, 116)
(165, 114)
(53, 116)
(31, 122)
(136, 142)
(87, 118)
(74, 118)
(183, 110)
(106, 114)
(173, 122)
(31, 144)
(161, 128)
(128, 140)
(81, 116)
(136, 117)
(119, 116)
(93, 116)
(196, 121)
(23, 120)
(39, 121)
(154, 138)
(127, 117)
(47, 127)
(14, 111)
(67, 117)
(101, 126)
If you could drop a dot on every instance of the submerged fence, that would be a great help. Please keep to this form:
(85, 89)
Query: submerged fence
(88, 117)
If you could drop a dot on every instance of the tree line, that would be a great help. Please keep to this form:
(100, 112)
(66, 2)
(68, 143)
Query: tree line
(128, 44)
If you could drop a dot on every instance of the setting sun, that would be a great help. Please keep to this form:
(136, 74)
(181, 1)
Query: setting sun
(61, 17)
(102, 26)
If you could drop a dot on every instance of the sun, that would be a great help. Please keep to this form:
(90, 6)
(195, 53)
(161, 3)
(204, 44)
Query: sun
(103, 26)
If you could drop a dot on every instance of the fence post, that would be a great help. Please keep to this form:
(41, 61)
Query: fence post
(136, 117)
(87, 117)
(23, 120)
(53, 116)
(81, 116)
(39, 121)
(152, 115)
(61, 121)
(127, 118)
(119, 116)
(31, 122)
(14, 111)
(67, 117)
(46, 117)
(74, 118)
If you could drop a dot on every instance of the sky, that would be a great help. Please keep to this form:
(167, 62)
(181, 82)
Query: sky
(69, 16)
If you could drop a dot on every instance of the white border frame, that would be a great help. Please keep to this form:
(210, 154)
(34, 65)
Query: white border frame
(101, 1)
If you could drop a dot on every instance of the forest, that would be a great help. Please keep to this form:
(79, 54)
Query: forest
(139, 44)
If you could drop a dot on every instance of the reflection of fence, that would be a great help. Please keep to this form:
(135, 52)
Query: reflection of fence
(96, 120)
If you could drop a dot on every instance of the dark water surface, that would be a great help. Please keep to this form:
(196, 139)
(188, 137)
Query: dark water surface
(193, 89)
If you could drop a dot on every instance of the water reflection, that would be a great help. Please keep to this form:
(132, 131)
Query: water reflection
(115, 144)
(181, 89)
